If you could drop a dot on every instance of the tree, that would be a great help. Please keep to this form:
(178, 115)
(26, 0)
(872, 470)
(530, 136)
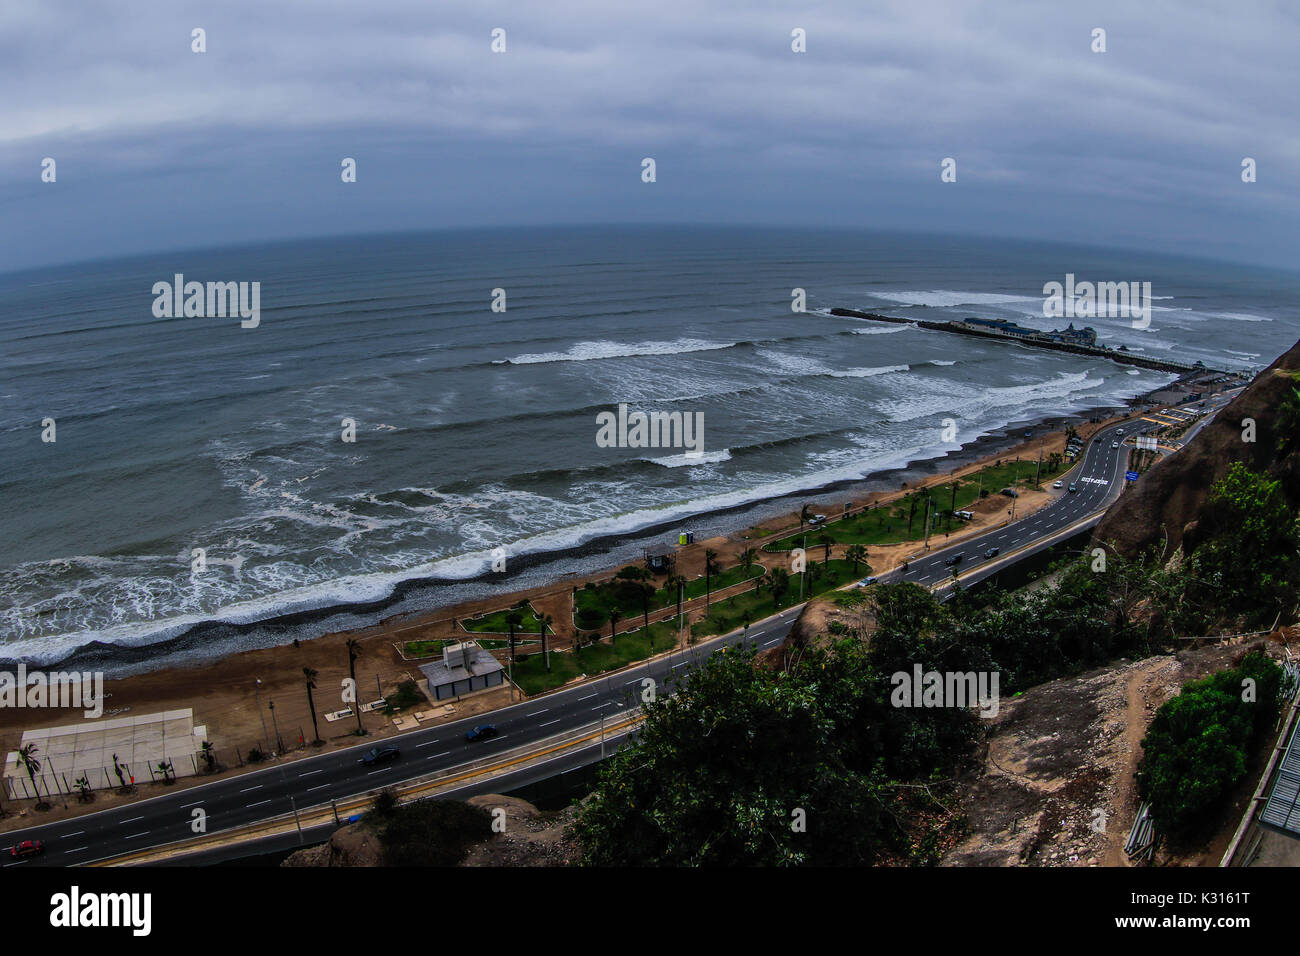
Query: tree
(678, 583)
(804, 514)
(543, 622)
(1199, 743)
(310, 676)
(746, 558)
(825, 540)
(614, 618)
(513, 620)
(858, 555)
(354, 651)
(710, 568)
(165, 768)
(779, 585)
(209, 755)
(27, 755)
(84, 792)
(702, 788)
(1249, 553)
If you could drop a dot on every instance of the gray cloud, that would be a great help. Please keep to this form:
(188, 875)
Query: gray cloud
(158, 146)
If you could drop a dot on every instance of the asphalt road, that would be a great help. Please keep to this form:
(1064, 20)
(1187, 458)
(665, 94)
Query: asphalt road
(1099, 478)
(314, 781)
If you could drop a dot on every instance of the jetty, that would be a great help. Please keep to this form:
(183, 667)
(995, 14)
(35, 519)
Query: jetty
(1071, 340)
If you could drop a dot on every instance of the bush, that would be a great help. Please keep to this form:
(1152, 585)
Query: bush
(1198, 746)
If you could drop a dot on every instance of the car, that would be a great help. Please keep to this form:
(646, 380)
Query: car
(1058, 484)
(816, 519)
(380, 755)
(1073, 486)
(867, 582)
(992, 552)
(1010, 492)
(955, 559)
(1114, 444)
(482, 732)
(965, 515)
(28, 848)
(1119, 431)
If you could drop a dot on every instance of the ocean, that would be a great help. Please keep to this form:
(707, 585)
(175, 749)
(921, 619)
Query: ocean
(476, 430)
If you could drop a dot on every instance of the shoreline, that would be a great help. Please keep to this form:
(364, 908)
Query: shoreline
(421, 598)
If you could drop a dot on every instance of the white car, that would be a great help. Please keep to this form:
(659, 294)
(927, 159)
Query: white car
(1058, 484)
(1114, 444)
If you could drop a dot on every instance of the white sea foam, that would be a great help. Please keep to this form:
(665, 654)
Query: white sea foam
(604, 349)
(870, 372)
(687, 461)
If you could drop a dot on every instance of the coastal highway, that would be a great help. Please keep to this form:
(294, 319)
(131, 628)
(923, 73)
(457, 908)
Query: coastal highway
(314, 781)
(1099, 478)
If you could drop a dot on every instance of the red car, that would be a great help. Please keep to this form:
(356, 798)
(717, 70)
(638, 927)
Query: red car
(27, 848)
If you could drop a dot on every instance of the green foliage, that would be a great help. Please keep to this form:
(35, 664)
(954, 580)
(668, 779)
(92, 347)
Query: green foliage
(407, 695)
(724, 765)
(1199, 744)
(1250, 556)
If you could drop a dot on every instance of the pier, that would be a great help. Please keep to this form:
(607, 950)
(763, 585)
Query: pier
(960, 327)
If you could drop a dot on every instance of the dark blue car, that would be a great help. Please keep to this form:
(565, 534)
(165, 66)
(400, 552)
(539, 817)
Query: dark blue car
(481, 732)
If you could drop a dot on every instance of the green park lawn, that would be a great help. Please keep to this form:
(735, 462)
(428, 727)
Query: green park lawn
(889, 524)
(530, 669)
(494, 622)
(592, 604)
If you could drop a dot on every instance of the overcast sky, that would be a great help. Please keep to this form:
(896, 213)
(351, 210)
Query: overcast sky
(159, 148)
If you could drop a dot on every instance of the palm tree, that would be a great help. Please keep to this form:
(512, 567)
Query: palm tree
(513, 620)
(746, 559)
(614, 618)
(678, 583)
(27, 754)
(84, 793)
(857, 554)
(310, 674)
(780, 584)
(647, 591)
(165, 768)
(209, 755)
(826, 541)
(804, 514)
(710, 566)
(354, 651)
(544, 620)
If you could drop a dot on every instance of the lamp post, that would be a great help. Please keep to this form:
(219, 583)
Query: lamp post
(279, 741)
(257, 692)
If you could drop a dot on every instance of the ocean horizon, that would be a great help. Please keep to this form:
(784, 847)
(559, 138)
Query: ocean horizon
(475, 431)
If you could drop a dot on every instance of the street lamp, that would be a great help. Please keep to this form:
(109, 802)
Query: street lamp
(257, 692)
(279, 741)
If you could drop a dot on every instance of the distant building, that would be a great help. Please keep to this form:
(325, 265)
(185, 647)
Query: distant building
(998, 326)
(1072, 336)
(464, 669)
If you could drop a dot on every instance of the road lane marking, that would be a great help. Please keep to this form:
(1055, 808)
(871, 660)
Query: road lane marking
(322, 786)
(186, 806)
(588, 697)
(258, 804)
(251, 789)
(132, 820)
(76, 849)
(549, 722)
(538, 712)
(134, 835)
(436, 756)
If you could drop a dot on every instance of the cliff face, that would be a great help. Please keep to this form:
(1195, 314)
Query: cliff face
(1171, 494)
